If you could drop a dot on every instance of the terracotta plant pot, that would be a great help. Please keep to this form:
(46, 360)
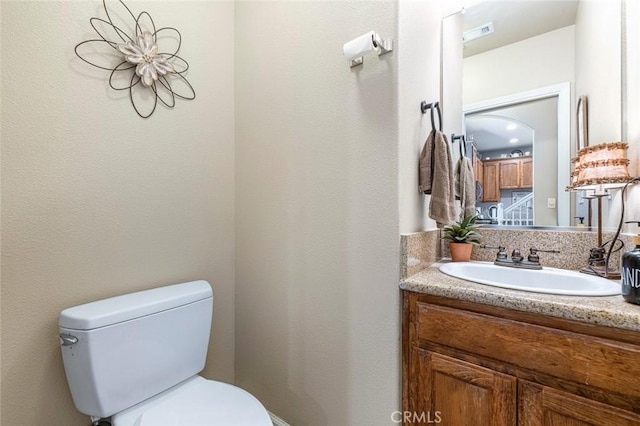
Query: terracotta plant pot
(460, 252)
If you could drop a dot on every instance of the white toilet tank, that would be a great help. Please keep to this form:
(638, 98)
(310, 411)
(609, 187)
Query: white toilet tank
(120, 351)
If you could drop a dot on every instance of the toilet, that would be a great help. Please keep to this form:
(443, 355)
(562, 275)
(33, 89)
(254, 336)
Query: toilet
(134, 360)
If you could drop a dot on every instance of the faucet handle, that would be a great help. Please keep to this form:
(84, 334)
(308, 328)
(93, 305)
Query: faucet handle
(516, 256)
(533, 254)
(535, 250)
(502, 251)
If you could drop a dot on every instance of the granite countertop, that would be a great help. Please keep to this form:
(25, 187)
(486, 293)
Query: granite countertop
(610, 311)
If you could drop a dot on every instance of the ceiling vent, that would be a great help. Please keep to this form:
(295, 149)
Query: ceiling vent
(481, 31)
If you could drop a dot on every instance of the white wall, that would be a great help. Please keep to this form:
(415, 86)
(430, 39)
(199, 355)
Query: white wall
(97, 201)
(451, 76)
(419, 80)
(633, 108)
(633, 84)
(317, 300)
(598, 67)
(536, 62)
(600, 80)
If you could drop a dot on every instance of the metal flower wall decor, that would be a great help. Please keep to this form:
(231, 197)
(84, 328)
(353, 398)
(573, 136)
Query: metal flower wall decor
(128, 47)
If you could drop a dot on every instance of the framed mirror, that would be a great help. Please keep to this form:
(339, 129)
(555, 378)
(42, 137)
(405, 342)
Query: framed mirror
(512, 53)
(524, 149)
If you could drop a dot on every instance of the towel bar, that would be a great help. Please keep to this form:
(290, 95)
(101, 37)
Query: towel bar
(424, 107)
(463, 143)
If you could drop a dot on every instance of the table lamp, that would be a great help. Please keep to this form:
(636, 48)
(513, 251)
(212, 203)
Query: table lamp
(598, 169)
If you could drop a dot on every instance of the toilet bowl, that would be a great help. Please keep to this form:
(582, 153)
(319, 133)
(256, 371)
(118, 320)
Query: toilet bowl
(196, 402)
(135, 359)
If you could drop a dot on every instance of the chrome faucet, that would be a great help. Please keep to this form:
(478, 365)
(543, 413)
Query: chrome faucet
(517, 260)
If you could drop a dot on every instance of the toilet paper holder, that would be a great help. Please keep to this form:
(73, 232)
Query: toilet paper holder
(355, 49)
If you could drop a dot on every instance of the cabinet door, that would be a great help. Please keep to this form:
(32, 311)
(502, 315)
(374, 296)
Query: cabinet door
(526, 173)
(491, 188)
(510, 174)
(479, 172)
(454, 392)
(544, 406)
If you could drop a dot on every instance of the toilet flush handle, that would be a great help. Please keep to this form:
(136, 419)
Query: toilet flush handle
(68, 340)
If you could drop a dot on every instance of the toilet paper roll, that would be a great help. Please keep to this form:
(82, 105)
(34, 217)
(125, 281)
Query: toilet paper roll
(359, 46)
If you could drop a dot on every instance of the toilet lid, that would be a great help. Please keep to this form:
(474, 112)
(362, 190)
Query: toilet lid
(198, 402)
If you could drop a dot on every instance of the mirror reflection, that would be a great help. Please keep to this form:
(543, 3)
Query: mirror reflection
(517, 58)
(503, 141)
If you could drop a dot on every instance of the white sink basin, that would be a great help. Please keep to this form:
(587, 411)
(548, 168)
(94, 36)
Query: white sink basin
(548, 280)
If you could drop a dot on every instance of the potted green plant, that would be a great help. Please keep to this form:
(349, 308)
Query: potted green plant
(462, 236)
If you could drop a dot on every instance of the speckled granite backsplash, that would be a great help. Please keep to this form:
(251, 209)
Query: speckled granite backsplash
(418, 250)
(421, 249)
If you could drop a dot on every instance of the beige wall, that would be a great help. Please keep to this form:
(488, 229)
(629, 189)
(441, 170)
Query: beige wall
(97, 201)
(320, 182)
(1, 237)
(317, 300)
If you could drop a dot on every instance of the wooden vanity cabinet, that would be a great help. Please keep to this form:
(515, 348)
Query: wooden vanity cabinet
(470, 364)
(543, 405)
(459, 393)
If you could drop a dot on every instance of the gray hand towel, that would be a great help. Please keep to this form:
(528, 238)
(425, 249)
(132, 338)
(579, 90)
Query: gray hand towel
(425, 170)
(465, 187)
(436, 178)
